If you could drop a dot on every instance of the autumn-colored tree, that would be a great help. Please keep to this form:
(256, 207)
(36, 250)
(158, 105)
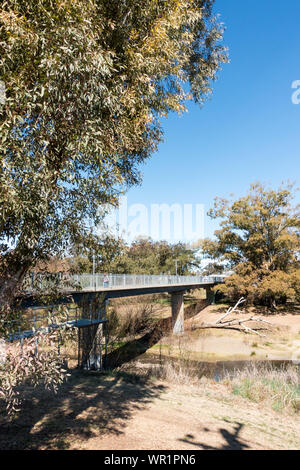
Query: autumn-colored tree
(259, 239)
(86, 83)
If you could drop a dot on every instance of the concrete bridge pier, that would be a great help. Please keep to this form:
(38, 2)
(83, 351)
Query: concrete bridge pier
(177, 312)
(210, 295)
(90, 343)
(92, 339)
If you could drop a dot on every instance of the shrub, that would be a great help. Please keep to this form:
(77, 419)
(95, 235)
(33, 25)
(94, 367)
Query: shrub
(26, 365)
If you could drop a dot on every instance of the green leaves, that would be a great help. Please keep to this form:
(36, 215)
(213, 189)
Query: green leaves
(260, 239)
(146, 256)
(86, 83)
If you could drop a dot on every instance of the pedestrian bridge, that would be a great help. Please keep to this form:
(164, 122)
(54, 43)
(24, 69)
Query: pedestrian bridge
(91, 292)
(122, 285)
(87, 287)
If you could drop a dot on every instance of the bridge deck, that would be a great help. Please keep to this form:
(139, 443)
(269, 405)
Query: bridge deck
(123, 291)
(117, 286)
(100, 282)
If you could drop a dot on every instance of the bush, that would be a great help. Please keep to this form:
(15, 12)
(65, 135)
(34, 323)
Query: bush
(132, 321)
(25, 366)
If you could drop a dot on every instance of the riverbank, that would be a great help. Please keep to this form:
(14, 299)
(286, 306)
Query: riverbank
(205, 389)
(128, 411)
(279, 340)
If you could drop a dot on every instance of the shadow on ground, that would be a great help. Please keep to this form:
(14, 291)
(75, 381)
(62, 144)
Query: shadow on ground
(87, 405)
(232, 440)
(135, 348)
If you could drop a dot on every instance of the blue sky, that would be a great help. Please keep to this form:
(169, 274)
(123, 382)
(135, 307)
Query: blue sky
(249, 130)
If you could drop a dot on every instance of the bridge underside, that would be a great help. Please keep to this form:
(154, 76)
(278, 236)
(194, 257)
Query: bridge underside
(131, 292)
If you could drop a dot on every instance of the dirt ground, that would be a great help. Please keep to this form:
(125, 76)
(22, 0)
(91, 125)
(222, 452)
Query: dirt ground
(125, 411)
(93, 411)
(183, 418)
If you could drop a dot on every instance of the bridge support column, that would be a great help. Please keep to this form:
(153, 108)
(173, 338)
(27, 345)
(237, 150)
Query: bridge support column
(92, 339)
(178, 312)
(210, 295)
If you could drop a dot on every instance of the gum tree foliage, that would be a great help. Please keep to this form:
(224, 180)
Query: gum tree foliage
(213, 268)
(145, 256)
(29, 369)
(99, 253)
(259, 239)
(86, 84)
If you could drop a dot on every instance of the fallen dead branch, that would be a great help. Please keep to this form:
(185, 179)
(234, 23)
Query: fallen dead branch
(240, 322)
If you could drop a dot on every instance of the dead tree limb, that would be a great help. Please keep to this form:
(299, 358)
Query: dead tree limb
(220, 323)
(231, 310)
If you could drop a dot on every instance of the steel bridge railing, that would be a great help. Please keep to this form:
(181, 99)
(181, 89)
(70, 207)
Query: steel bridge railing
(113, 281)
(91, 282)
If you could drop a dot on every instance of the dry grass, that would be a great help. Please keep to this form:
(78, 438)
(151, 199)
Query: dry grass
(175, 372)
(264, 383)
(277, 387)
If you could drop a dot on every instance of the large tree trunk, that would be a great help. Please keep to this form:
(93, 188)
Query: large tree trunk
(12, 274)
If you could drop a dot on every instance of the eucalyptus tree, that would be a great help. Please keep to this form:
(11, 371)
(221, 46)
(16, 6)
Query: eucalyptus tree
(259, 238)
(145, 256)
(87, 82)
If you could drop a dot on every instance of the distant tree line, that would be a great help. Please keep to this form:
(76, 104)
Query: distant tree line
(258, 243)
(143, 256)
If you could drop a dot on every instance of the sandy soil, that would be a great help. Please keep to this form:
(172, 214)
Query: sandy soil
(286, 320)
(279, 341)
(94, 411)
